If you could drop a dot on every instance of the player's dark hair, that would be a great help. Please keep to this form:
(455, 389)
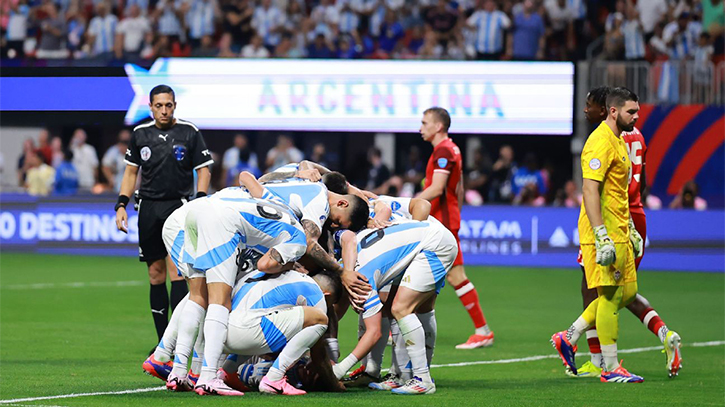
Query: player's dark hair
(599, 95)
(159, 89)
(441, 115)
(335, 182)
(359, 212)
(330, 282)
(619, 96)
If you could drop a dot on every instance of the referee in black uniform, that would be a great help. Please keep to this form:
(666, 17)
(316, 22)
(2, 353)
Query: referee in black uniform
(168, 150)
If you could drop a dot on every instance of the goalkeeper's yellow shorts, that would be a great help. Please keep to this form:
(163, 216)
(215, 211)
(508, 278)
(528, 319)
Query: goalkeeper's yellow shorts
(618, 273)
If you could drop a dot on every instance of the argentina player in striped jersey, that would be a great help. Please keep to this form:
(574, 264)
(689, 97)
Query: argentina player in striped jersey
(272, 313)
(420, 253)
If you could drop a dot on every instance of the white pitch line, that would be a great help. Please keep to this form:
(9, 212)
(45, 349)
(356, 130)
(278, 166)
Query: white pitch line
(44, 286)
(479, 362)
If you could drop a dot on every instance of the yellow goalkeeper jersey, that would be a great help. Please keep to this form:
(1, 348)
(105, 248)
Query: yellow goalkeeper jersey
(605, 159)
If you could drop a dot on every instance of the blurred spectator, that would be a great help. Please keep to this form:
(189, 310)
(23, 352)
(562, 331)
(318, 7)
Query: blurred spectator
(569, 196)
(529, 196)
(502, 172)
(378, 173)
(16, 30)
(490, 25)
(76, 27)
(679, 39)
(321, 48)
(206, 49)
(703, 69)
(319, 155)
(167, 16)
(23, 162)
(102, 32)
(237, 23)
(113, 164)
(56, 147)
(620, 7)
(430, 49)
(201, 19)
(268, 20)
(255, 49)
(561, 18)
(442, 19)
(346, 48)
(614, 39)
(53, 34)
(143, 6)
(414, 169)
(85, 160)
(634, 45)
(479, 175)
(657, 43)
(528, 174)
(226, 47)
(130, 33)
(349, 20)
(294, 16)
(44, 149)
(66, 175)
(391, 32)
(713, 21)
(40, 176)
(240, 153)
(325, 13)
(283, 153)
(652, 12)
(528, 38)
(687, 198)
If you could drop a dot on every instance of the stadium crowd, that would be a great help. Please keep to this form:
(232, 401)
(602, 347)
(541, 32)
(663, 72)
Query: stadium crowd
(47, 167)
(101, 32)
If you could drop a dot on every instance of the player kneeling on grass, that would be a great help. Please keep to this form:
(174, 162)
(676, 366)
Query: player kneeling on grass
(421, 253)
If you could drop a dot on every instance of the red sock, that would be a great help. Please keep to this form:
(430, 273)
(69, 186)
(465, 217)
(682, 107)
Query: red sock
(468, 295)
(593, 340)
(652, 320)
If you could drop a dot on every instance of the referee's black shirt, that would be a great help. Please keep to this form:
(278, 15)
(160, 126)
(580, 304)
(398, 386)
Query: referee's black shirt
(167, 158)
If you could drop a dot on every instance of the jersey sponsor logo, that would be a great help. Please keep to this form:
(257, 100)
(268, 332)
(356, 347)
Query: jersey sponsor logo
(128, 152)
(179, 152)
(163, 136)
(145, 153)
(595, 164)
(394, 206)
(205, 152)
(442, 162)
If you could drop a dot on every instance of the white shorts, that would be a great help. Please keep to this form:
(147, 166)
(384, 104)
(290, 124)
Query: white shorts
(209, 233)
(173, 237)
(257, 333)
(427, 271)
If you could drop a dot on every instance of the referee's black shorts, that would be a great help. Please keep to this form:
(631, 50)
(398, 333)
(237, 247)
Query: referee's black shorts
(151, 218)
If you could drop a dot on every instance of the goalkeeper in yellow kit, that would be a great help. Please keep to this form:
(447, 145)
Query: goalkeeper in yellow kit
(609, 241)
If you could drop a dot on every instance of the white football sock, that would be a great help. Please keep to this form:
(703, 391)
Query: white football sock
(576, 330)
(198, 353)
(341, 368)
(400, 360)
(360, 332)
(412, 331)
(609, 353)
(166, 346)
(484, 330)
(375, 357)
(596, 357)
(191, 318)
(295, 348)
(430, 327)
(215, 333)
(333, 349)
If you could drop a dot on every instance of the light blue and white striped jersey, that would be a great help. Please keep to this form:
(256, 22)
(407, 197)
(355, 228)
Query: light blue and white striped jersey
(288, 167)
(384, 254)
(267, 20)
(400, 207)
(261, 292)
(104, 31)
(305, 197)
(490, 29)
(633, 39)
(258, 224)
(200, 18)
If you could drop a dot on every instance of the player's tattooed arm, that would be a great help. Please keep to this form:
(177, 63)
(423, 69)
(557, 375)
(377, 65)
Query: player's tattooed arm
(276, 176)
(272, 263)
(314, 250)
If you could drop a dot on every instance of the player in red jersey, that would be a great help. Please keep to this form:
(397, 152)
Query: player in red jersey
(444, 189)
(595, 112)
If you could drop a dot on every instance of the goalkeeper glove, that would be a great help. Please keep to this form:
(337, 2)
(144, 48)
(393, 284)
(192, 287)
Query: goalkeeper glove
(606, 253)
(636, 239)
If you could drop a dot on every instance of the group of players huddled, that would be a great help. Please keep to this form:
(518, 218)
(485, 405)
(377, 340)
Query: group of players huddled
(274, 263)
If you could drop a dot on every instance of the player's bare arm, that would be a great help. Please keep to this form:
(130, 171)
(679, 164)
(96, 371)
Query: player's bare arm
(312, 175)
(249, 181)
(591, 201)
(419, 209)
(354, 282)
(314, 250)
(127, 183)
(272, 263)
(382, 215)
(436, 188)
(203, 178)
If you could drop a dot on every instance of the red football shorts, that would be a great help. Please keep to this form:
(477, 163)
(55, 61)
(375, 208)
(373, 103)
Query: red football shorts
(459, 257)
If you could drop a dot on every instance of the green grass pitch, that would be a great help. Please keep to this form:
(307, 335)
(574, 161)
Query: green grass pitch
(58, 338)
